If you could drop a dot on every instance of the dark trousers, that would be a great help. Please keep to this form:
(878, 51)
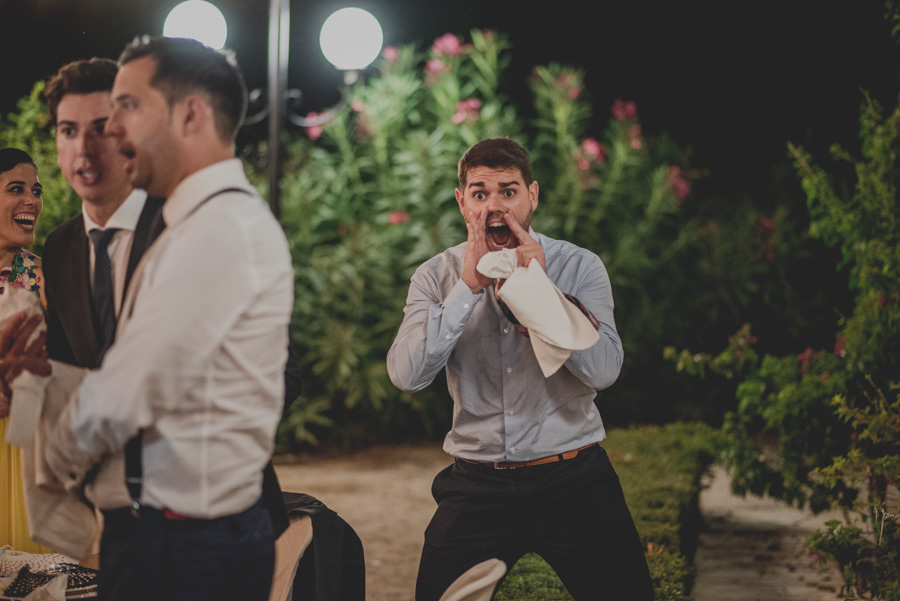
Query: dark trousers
(230, 558)
(572, 513)
(118, 577)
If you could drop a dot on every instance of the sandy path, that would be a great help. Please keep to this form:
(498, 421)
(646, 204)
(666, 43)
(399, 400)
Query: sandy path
(384, 493)
(753, 550)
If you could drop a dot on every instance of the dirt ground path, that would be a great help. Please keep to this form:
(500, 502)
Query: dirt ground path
(384, 493)
(752, 549)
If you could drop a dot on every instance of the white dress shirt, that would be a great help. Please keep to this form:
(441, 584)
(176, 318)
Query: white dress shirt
(199, 356)
(125, 218)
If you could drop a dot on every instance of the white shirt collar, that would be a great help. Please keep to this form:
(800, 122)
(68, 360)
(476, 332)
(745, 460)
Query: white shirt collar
(124, 218)
(199, 186)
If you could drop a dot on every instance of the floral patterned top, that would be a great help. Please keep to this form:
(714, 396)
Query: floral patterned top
(21, 274)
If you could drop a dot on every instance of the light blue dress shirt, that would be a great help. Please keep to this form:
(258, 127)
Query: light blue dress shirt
(504, 408)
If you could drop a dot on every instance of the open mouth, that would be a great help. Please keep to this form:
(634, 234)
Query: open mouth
(25, 220)
(499, 235)
(88, 175)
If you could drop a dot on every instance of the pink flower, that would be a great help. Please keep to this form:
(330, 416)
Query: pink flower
(435, 68)
(840, 347)
(466, 110)
(314, 132)
(448, 44)
(357, 106)
(436, 65)
(390, 54)
(583, 164)
(634, 134)
(679, 186)
(396, 217)
(624, 110)
(567, 82)
(806, 356)
(594, 150)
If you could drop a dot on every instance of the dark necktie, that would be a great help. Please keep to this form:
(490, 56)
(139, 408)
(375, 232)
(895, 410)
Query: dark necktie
(104, 301)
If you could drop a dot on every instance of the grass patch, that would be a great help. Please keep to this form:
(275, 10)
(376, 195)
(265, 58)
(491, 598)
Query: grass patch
(660, 470)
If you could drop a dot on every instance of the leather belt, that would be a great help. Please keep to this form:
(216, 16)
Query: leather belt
(511, 465)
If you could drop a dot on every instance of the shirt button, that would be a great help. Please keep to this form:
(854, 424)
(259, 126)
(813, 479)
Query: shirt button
(465, 305)
(448, 336)
(512, 450)
(509, 370)
(506, 330)
(512, 411)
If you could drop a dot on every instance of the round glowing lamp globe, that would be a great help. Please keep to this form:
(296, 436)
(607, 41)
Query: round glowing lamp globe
(197, 20)
(351, 39)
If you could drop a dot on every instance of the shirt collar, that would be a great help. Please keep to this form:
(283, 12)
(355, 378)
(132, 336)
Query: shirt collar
(124, 218)
(199, 186)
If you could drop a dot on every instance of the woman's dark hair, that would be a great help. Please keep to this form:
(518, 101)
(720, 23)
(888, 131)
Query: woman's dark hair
(10, 157)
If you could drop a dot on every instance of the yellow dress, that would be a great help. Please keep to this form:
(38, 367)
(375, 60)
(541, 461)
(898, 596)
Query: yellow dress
(13, 523)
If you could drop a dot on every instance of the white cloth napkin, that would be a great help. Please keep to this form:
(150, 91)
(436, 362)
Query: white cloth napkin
(556, 327)
(27, 388)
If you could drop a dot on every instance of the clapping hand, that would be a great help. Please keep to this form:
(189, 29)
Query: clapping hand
(16, 354)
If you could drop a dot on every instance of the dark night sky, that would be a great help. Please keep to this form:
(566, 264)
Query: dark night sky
(734, 81)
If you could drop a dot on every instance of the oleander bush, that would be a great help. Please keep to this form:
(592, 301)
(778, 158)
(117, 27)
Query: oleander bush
(660, 471)
(822, 426)
(369, 196)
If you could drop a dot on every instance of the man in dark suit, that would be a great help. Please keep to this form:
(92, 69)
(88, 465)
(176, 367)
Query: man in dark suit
(76, 257)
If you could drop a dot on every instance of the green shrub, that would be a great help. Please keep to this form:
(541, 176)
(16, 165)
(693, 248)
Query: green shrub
(822, 427)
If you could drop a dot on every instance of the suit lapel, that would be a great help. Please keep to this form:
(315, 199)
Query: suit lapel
(77, 317)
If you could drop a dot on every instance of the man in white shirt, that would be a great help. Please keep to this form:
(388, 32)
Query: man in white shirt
(201, 345)
(78, 97)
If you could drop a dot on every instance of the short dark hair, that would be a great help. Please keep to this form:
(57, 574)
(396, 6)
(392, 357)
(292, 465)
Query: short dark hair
(10, 157)
(184, 66)
(496, 153)
(79, 77)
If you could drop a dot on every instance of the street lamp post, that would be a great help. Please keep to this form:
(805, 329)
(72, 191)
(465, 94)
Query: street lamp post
(350, 39)
(279, 43)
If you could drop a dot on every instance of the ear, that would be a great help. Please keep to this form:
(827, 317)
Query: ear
(533, 190)
(194, 114)
(461, 201)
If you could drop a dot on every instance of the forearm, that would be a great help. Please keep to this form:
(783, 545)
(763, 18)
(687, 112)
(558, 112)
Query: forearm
(428, 334)
(599, 365)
